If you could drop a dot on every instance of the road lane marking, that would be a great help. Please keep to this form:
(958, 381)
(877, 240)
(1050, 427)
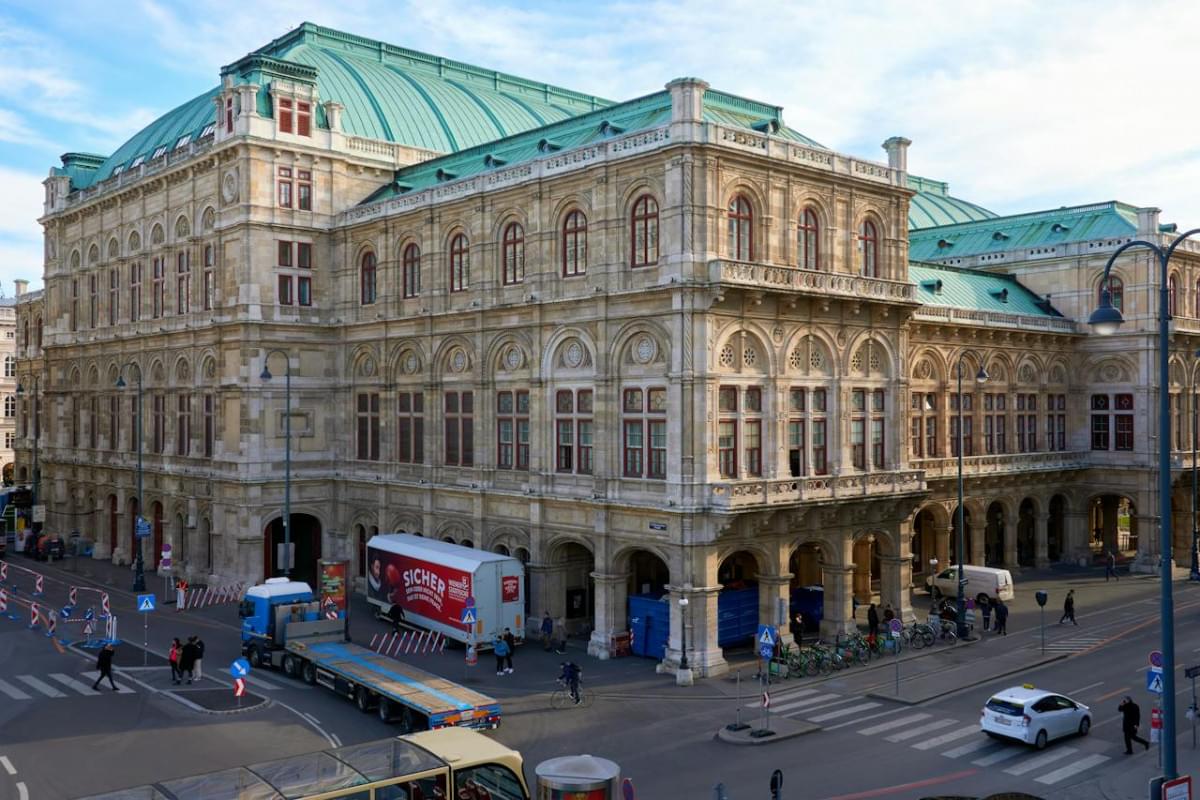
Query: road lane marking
(915, 732)
(867, 718)
(841, 712)
(1071, 769)
(1111, 694)
(821, 698)
(895, 723)
(969, 747)
(71, 683)
(945, 738)
(828, 704)
(12, 691)
(310, 718)
(1030, 764)
(121, 687)
(1003, 755)
(260, 683)
(1085, 688)
(8, 767)
(22, 792)
(785, 696)
(40, 686)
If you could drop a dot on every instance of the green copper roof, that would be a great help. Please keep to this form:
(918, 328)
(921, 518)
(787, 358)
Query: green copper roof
(932, 205)
(956, 287)
(1039, 229)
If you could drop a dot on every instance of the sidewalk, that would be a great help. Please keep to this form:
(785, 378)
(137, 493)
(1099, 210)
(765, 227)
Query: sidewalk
(1133, 782)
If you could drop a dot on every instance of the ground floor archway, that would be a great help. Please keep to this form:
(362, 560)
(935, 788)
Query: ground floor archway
(1112, 521)
(1026, 534)
(993, 535)
(306, 548)
(648, 606)
(1056, 528)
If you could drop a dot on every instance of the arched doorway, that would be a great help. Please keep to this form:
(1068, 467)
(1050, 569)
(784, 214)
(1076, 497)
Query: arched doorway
(501, 550)
(737, 605)
(112, 524)
(648, 612)
(1113, 524)
(807, 586)
(1026, 534)
(966, 536)
(993, 535)
(306, 547)
(1055, 526)
(572, 588)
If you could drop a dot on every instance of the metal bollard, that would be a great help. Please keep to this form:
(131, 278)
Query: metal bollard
(719, 792)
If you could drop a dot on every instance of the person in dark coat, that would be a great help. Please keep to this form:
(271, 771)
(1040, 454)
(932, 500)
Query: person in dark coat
(985, 610)
(872, 622)
(199, 665)
(1110, 567)
(547, 631)
(1001, 610)
(1068, 609)
(187, 659)
(1131, 717)
(511, 641)
(104, 665)
(798, 628)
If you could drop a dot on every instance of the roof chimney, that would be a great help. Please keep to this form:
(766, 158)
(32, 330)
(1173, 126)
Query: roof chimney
(897, 152)
(22, 286)
(1148, 221)
(687, 99)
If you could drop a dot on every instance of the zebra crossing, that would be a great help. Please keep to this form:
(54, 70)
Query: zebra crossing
(928, 732)
(817, 705)
(1071, 644)
(56, 686)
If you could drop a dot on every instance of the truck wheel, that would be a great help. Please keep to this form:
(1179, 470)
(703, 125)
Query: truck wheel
(362, 699)
(291, 666)
(309, 671)
(255, 657)
(385, 710)
(407, 721)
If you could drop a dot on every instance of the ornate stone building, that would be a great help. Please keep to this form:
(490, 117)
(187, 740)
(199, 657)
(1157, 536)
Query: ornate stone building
(664, 345)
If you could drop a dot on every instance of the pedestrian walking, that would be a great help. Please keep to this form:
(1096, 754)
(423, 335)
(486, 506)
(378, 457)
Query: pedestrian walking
(560, 636)
(511, 641)
(104, 666)
(187, 659)
(181, 595)
(500, 648)
(1068, 609)
(547, 632)
(985, 610)
(199, 658)
(888, 613)
(1110, 567)
(798, 629)
(173, 656)
(1001, 610)
(872, 623)
(1131, 718)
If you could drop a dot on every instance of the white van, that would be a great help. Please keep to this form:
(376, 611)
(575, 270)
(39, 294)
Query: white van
(981, 581)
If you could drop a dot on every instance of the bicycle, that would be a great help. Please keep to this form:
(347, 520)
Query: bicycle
(561, 697)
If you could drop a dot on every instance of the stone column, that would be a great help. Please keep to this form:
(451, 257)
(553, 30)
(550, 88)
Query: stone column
(1041, 540)
(941, 545)
(611, 599)
(705, 658)
(1075, 537)
(1010, 542)
(773, 590)
(977, 532)
(894, 582)
(862, 570)
(839, 609)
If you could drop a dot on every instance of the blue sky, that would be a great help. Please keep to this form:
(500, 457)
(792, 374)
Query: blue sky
(1018, 105)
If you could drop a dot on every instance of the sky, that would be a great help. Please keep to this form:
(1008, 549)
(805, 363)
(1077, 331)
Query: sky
(1019, 106)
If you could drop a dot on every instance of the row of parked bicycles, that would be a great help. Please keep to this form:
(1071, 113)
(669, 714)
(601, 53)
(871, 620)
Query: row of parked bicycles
(854, 648)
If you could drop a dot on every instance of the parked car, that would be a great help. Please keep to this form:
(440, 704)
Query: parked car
(988, 582)
(50, 547)
(1033, 716)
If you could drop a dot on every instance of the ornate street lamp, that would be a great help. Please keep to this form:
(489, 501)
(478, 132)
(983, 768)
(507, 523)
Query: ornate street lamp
(287, 464)
(139, 568)
(961, 616)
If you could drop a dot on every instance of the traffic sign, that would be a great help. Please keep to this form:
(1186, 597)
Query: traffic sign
(1156, 659)
(145, 602)
(468, 616)
(143, 527)
(1178, 789)
(767, 635)
(239, 668)
(896, 625)
(239, 687)
(1154, 682)
(766, 700)
(766, 650)
(627, 792)
(470, 601)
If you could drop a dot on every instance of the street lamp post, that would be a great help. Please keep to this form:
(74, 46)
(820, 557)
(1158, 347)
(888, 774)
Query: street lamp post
(37, 429)
(287, 463)
(1106, 319)
(139, 568)
(961, 616)
(933, 565)
(684, 676)
(1194, 572)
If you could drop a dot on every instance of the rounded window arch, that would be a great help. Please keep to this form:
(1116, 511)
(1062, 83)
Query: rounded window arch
(1116, 291)
(512, 254)
(410, 261)
(460, 263)
(114, 248)
(1196, 300)
(93, 255)
(367, 280)
(808, 240)
(741, 229)
(1172, 293)
(868, 246)
(644, 232)
(135, 242)
(574, 244)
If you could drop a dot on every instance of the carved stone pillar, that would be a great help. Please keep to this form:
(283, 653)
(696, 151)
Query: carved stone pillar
(1010, 543)
(977, 533)
(894, 581)
(1075, 537)
(839, 607)
(1041, 540)
(773, 595)
(705, 657)
(611, 592)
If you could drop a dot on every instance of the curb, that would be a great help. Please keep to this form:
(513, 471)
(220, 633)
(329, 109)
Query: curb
(985, 679)
(783, 729)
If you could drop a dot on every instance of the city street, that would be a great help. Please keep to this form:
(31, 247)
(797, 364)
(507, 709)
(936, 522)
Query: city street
(870, 745)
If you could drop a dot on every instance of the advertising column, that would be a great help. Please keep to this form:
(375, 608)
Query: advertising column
(334, 595)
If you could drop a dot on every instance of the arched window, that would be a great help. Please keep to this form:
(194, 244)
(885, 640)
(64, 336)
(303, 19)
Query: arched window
(1196, 301)
(1116, 292)
(39, 332)
(808, 246)
(366, 279)
(868, 243)
(460, 263)
(741, 234)
(644, 235)
(1172, 294)
(513, 255)
(10, 405)
(10, 366)
(574, 244)
(411, 261)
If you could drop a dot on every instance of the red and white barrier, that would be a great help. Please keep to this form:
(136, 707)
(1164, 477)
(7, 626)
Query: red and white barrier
(3, 571)
(51, 624)
(3, 601)
(72, 597)
(104, 606)
(213, 595)
(38, 585)
(33, 615)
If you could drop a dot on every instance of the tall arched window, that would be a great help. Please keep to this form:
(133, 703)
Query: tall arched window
(1116, 292)
(1172, 294)
(1196, 301)
(512, 257)
(460, 263)
(741, 234)
(868, 243)
(644, 235)
(10, 366)
(366, 279)
(808, 245)
(574, 244)
(411, 261)
(10, 405)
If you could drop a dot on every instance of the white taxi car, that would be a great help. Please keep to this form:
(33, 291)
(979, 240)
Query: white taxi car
(1034, 716)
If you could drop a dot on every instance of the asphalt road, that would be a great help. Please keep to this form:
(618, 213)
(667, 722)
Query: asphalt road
(662, 736)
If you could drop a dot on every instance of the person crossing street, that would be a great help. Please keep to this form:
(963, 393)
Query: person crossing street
(1131, 718)
(104, 666)
(1068, 609)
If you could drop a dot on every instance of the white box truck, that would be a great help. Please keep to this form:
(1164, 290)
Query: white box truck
(433, 581)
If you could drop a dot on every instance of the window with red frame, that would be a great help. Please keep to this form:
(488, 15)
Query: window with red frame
(114, 297)
(868, 245)
(284, 186)
(366, 279)
(295, 279)
(285, 115)
(512, 429)
(460, 429)
(367, 419)
(411, 265)
(740, 229)
(210, 287)
(229, 114)
(74, 304)
(1100, 422)
(573, 431)
(968, 424)
(158, 299)
(410, 427)
(135, 291)
(460, 263)
(878, 446)
(1123, 422)
(183, 425)
(303, 118)
(644, 234)
(1027, 440)
(183, 282)
(93, 300)
(808, 241)
(574, 244)
(995, 423)
(304, 190)
(644, 433)
(513, 254)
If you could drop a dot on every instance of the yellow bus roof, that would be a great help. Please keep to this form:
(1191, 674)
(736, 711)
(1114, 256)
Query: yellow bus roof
(456, 744)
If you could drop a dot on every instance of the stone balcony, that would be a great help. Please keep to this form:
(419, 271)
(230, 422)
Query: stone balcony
(820, 488)
(769, 277)
(992, 319)
(1001, 464)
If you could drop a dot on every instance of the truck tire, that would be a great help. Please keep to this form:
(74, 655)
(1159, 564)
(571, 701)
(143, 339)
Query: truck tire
(363, 699)
(407, 721)
(291, 666)
(385, 710)
(254, 655)
(309, 672)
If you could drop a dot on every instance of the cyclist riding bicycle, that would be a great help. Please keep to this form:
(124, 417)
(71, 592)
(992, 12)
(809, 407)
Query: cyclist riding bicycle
(570, 675)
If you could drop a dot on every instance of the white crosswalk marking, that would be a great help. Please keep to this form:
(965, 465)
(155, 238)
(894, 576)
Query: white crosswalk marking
(71, 683)
(844, 712)
(121, 687)
(1011, 751)
(969, 747)
(821, 698)
(13, 692)
(1071, 769)
(261, 684)
(952, 736)
(895, 723)
(1075, 644)
(40, 686)
(783, 697)
(913, 733)
(1030, 764)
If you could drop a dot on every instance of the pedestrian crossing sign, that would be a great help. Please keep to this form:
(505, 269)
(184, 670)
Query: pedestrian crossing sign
(1154, 682)
(766, 636)
(145, 602)
(468, 616)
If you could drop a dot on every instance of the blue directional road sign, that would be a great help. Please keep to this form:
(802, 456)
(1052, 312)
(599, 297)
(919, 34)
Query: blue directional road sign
(239, 668)
(145, 602)
(1154, 682)
(766, 651)
(143, 527)
(468, 615)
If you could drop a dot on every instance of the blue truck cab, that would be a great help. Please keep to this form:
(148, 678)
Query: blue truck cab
(260, 630)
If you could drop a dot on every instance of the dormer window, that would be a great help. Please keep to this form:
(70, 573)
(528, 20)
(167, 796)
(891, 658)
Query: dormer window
(1058, 227)
(934, 286)
(1000, 294)
(285, 115)
(209, 129)
(1000, 236)
(182, 140)
(159, 152)
(137, 162)
(945, 243)
(446, 175)
(118, 170)
(548, 146)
